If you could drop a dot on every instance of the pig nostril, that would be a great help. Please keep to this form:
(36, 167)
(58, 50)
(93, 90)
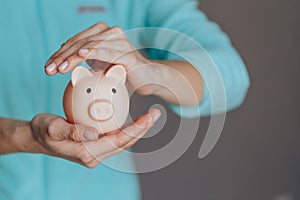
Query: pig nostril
(104, 110)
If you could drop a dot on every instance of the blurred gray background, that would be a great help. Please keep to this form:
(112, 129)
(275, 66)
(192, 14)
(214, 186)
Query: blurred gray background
(258, 154)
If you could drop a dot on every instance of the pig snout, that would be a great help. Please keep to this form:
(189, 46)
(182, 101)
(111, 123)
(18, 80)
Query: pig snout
(101, 110)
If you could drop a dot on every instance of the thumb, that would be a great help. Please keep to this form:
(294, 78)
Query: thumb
(82, 133)
(76, 132)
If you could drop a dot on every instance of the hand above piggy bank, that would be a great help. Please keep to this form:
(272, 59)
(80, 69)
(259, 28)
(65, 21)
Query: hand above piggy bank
(97, 98)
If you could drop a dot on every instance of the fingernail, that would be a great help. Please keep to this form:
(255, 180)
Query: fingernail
(63, 66)
(50, 67)
(156, 116)
(84, 51)
(48, 62)
(89, 135)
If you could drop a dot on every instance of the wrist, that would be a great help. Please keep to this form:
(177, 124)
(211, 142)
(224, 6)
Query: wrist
(142, 77)
(157, 76)
(8, 133)
(19, 137)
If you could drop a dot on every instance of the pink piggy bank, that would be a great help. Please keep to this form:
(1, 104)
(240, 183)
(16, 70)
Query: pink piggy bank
(97, 98)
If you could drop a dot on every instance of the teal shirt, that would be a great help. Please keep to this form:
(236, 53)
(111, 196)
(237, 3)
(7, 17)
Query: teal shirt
(31, 30)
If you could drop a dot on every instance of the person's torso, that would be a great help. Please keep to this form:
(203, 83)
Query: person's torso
(30, 32)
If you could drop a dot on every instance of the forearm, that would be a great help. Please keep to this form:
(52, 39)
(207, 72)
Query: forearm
(177, 82)
(15, 136)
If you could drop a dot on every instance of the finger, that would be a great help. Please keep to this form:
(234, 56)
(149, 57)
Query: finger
(83, 133)
(113, 52)
(70, 63)
(112, 142)
(132, 139)
(60, 129)
(62, 62)
(93, 30)
(108, 146)
(58, 59)
(104, 55)
(50, 67)
(107, 55)
(134, 130)
(122, 44)
(68, 59)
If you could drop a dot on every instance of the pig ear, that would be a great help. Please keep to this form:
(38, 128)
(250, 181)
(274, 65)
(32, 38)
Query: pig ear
(117, 72)
(79, 73)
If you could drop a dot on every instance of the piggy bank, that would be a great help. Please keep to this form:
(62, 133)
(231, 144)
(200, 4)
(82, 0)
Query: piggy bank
(97, 98)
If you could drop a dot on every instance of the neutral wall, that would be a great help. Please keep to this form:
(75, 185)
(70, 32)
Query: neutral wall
(257, 156)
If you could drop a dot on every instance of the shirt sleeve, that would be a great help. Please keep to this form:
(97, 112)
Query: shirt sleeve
(186, 33)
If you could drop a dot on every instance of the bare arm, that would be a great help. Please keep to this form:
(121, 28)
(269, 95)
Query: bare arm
(10, 129)
(177, 82)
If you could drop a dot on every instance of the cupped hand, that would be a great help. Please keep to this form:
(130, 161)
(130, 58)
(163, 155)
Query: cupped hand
(55, 136)
(101, 45)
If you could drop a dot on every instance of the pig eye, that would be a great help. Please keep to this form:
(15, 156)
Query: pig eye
(114, 90)
(89, 90)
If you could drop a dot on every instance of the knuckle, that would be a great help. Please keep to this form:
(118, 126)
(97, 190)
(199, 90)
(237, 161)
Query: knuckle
(87, 160)
(80, 43)
(37, 118)
(83, 161)
(35, 121)
(70, 41)
(91, 165)
(85, 40)
(121, 142)
(73, 134)
(101, 25)
(59, 58)
(93, 43)
(52, 127)
(117, 29)
(63, 44)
